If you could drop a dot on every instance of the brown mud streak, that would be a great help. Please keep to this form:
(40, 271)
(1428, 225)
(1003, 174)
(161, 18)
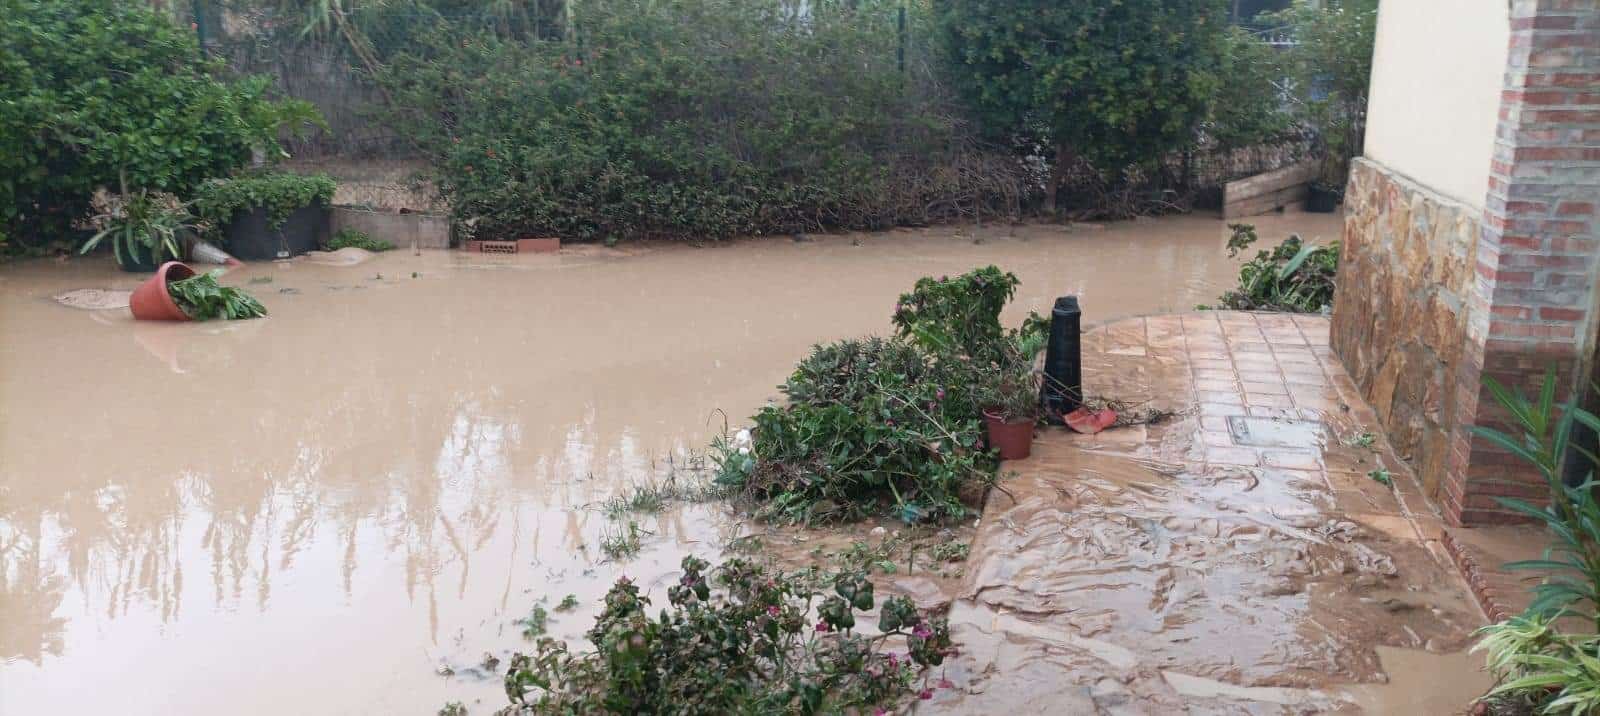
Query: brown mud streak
(1168, 568)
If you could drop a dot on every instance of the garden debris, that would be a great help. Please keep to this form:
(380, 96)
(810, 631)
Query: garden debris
(1115, 414)
(347, 256)
(94, 299)
(1089, 422)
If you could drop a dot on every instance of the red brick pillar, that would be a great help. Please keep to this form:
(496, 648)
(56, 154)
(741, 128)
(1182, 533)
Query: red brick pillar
(1537, 257)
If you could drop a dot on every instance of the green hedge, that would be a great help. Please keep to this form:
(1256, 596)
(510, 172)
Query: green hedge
(91, 88)
(695, 119)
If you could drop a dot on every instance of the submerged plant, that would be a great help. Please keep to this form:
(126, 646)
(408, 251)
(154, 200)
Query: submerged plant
(621, 543)
(893, 424)
(353, 239)
(1294, 277)
(735, 639)
(203, 299)
(142, 227)
(535, 624)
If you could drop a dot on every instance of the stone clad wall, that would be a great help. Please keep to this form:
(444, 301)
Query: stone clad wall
(1401, 316)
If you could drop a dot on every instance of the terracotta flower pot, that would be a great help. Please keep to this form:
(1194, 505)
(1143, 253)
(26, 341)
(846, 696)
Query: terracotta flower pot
(152, 302)
(1013, 439)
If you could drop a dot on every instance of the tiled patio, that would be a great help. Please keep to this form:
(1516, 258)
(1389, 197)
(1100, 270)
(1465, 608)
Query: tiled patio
(1243, 556)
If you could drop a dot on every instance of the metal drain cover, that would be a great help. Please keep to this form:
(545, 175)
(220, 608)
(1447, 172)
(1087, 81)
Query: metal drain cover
(1267, 432)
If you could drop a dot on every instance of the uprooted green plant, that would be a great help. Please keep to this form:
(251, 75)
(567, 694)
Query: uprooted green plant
(880, 423)
(1294, 277)
(1544, 668)
(203, 299)
(737, 639)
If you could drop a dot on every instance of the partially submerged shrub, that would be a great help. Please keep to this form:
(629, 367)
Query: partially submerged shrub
(353, 239)
(875, 423)
(1544, 668)
(142, 227)
(203, 299)
(957, 316)
(737, 639)
(1294, 277)
(219, 201)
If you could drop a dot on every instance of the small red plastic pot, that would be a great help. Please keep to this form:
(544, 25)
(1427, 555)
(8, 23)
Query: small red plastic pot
(152, 302)
(1014, 439)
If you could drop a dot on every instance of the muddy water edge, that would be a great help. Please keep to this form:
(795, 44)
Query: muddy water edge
(327, 510)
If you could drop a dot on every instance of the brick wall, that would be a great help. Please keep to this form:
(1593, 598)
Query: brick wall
(1537, 254)
(1531, 306)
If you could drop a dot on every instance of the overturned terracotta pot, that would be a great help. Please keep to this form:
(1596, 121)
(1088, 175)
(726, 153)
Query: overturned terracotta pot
(152, 302)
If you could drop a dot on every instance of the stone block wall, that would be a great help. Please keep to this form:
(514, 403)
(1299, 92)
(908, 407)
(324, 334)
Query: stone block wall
(1406, 272)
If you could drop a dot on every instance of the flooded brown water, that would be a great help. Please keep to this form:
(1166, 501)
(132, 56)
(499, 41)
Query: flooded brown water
(313, 512)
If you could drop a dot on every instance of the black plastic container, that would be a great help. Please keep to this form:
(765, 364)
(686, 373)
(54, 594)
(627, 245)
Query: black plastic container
(139, 261)
(251, 238)
(1322, 200)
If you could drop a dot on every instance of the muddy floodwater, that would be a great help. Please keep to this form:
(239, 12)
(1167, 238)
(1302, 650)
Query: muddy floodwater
(341, 508)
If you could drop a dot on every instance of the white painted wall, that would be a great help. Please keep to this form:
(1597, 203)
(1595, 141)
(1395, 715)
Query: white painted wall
(1437, 73)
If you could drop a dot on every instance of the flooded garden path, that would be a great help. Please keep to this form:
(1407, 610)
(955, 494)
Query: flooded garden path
(1265, 551)
(326, 510)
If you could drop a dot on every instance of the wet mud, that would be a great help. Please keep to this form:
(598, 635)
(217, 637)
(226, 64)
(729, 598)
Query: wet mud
(323, 510)
(1173, 569)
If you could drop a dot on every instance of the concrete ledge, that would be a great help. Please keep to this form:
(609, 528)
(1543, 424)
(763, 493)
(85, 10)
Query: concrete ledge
(427, 231)
(1267, 192)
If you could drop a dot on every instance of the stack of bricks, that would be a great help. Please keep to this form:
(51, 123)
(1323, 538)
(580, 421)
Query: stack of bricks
(1534, 305)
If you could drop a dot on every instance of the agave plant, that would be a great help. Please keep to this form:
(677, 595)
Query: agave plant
(143, 227)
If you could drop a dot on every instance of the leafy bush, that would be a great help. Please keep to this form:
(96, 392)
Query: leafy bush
(1330, 67)
(1542, 667)
(352, 239)
(1249, 107)
(97, 88)
(874, 423)
(219, 201)
(694, 119)
(203, 299)
(845, 444)
(737, 640)
(1294, 277)
(1115, 83)
(959, 316)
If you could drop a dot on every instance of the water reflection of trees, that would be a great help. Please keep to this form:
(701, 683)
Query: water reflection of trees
(239, 484)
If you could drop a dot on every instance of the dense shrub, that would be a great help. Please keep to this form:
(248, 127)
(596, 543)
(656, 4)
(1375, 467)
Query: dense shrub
(1116, 83)
(957, 317)
(737, 640)
(888, 428)
(90, 89)
(695, 119)
(1294, 276)
(881, 424)
(1249, 106)
(1330, 68)
(219, 201)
